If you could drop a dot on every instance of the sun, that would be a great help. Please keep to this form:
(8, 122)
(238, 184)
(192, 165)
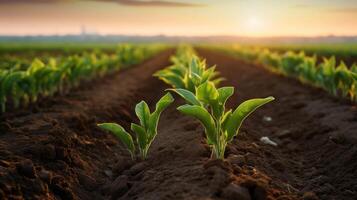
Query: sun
(254, 23)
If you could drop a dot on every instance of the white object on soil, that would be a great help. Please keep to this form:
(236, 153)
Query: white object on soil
(266, 140)
(267, 119)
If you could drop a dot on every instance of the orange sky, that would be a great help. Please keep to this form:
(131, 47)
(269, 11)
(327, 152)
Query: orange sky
(201, 17)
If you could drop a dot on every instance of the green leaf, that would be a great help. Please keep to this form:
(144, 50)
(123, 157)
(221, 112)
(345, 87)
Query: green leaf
(218, 106)
(165, 101)
(171, 78)
(241, 113)
(140, 135)
(161, 105)
(207, 92)
(224, 94)
(189, 84)
(209, 74)
(195, 78)
(120, 132)
(205, 118)
(195, 65)
(225, 118)
(143, 112)
(187, 95)
(10, 82)
(36, 65)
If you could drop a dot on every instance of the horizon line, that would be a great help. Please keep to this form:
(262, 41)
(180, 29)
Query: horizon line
(172, 36)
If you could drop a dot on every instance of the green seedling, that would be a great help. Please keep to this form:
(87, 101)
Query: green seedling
(208, 106)
(145, 132)
(338, 80)
(188, 71)
(23, 82)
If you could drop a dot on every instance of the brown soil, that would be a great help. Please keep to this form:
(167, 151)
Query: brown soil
(316, 133)
(55, 150)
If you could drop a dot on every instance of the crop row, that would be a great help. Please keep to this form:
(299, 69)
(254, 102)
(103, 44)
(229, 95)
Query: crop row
(342, 51)
(338, 79)
(22, 83)
(190, 78)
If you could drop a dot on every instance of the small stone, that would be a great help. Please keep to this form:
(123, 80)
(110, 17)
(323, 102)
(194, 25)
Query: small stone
(236, 192)
(119, 187)
(267, 119)
(26, 168)
(310, 196)
(267, 140)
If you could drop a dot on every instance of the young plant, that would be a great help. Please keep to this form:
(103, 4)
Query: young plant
(326, 75)
(145, 132)
(208, 106)
(188, 71)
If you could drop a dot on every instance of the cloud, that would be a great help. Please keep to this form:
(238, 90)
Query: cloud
(153, 3)
(33, 1)
(157, 3)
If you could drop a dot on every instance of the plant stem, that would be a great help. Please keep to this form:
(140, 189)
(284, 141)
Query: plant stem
(219, 149)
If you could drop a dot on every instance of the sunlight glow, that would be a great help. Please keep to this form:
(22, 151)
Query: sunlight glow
(254, 24)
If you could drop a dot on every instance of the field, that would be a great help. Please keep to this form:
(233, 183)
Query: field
(346, 52)
(301, 144)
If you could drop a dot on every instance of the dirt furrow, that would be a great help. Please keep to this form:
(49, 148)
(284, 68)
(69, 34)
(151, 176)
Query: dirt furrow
(55, 151)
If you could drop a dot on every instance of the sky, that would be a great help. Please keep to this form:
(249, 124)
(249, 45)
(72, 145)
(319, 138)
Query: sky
(263, 18)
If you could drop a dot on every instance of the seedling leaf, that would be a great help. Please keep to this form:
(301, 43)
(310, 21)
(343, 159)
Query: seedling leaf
(120, 132)
(242, 112)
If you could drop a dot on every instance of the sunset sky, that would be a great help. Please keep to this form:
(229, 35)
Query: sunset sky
(180, 17)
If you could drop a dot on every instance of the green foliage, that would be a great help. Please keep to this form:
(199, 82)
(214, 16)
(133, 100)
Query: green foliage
(197, 84)
(25, 82)
(338, 80)
(146, 131)
(208, 106)
(187, 71)
(120, 132)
